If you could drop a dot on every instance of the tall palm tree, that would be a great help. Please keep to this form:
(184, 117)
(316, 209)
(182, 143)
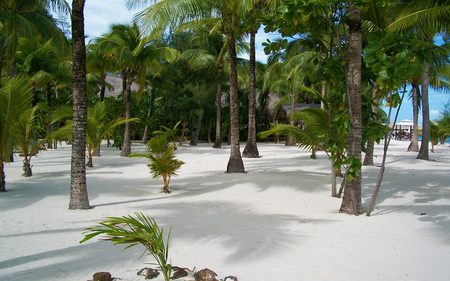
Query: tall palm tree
(227, 15)
(426, 19)
(212, 53)
(78, 189)
(133, 53)
(351, 201)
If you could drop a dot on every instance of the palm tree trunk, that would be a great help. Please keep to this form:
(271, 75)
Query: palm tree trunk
(414, 145)
(290, 141)
(78, 189)
(368, 159)
(251, 149)
(324, 93)
(149, 114)
(27, 172)
(2, 177)
(235, 163)
(217, 141)
(423, 153)
(126, 148)
(351, 201)
(197, 131)
(183, 130)
(208, 131)
(2, 61)
(103, 88)
(49, 114)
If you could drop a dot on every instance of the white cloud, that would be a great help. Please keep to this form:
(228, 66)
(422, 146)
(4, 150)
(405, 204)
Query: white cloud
(434, 114)
(100, 14)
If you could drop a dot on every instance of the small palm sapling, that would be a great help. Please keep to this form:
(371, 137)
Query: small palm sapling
(162, 160)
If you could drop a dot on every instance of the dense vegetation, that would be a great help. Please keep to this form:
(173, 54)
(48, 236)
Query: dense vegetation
(350, 57)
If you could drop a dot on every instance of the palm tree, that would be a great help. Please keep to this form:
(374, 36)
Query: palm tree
(133, 54)
(24, 18)
(162, 160)
(426, 18)
(227, 16)
(23, 136)
(212, 53)
(15, 98)
(97, 128)
(100, 61)
(351, 201)
(78, 189)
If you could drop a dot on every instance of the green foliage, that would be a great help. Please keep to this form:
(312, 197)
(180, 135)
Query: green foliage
(162, 160)
(131, 231)
(15, 99)
(170, 133)
(98, 128)
(23, 136)
(391, 58)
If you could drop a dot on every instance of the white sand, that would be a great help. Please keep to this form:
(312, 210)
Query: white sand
(275, 222)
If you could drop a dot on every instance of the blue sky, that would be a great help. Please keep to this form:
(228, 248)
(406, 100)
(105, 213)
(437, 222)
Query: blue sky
(100, 14)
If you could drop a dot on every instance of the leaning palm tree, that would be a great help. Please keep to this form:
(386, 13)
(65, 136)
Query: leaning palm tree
(15, 98)
(162, 160)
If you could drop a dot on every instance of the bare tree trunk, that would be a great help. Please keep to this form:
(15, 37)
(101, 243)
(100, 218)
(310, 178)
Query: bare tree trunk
(183, 130)
(266, 113)
(414, 145)
(126, 148)
(351, 202)
(197, 131)
(149, 114)
(290, 141)
(324, 93)
(368, 159)
(423, 153)
(235, 163)
(209, 130)
(49, 114)
(78, 189)
(387, 140)
(217, 141)
(103, 88)
(2, 177)
(251, 149)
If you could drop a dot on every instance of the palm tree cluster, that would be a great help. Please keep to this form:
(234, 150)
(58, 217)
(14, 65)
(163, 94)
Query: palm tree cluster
(185, 58)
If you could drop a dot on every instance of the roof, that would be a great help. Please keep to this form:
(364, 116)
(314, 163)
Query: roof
(116, 83)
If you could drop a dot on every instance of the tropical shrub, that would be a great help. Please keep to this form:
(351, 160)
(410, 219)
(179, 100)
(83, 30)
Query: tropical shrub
(162, 160)
(23, 136)
(15, 98)
(133, 231)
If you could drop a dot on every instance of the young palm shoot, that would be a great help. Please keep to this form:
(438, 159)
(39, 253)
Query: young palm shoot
(162, 160)
(133, 231)
(170, 133)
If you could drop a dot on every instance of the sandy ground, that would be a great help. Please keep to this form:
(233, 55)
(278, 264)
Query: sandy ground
(275, 222)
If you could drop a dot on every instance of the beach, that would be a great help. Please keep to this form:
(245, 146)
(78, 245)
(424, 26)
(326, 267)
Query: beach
(277, 221)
